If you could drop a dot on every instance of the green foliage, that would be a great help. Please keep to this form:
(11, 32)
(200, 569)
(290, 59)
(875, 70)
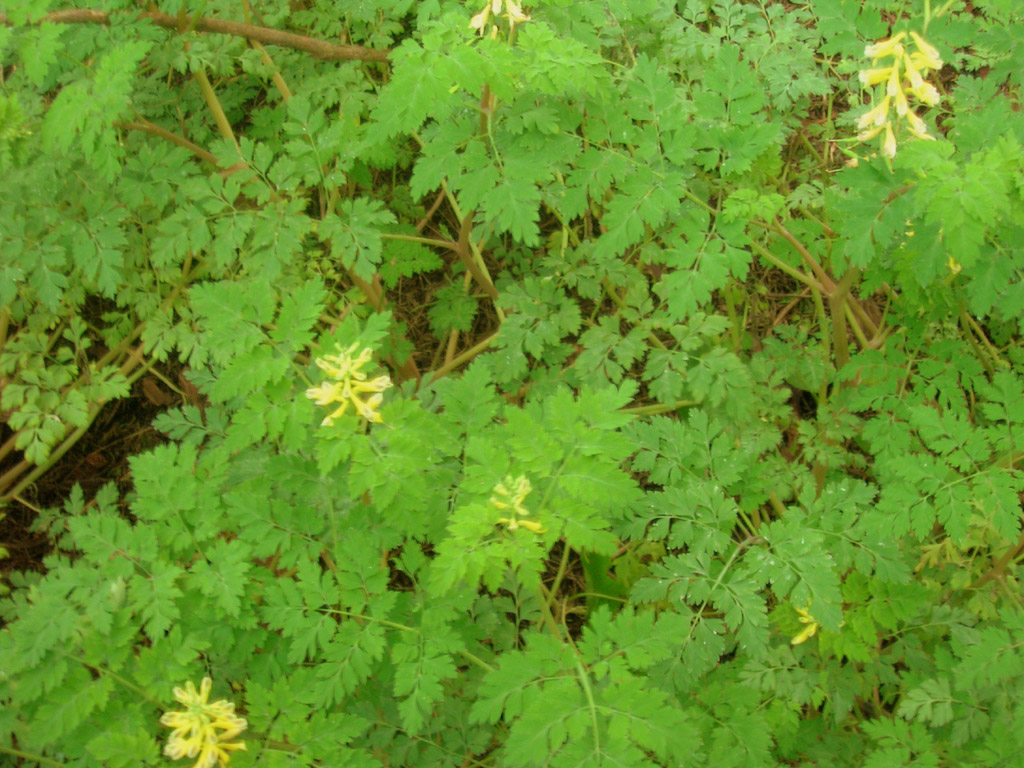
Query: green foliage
(697, 445)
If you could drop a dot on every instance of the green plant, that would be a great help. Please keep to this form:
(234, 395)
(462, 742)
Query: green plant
(698, 444)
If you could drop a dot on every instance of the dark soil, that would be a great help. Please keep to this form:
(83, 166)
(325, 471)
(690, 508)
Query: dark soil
(122, 429)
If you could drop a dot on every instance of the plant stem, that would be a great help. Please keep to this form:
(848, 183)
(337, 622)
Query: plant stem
(592, 705)
(997, 569)
(972, 325)
(747, 542)
(144, 125)
(546, 617)
(656, 408)
(609, 289)
(279, 83)
(465, 357)
(30, 756)
(560, 573)
(115, 677)
(450, 245)
(471, 257)
(836, 302)
(793, 272)
(223, 124)
(318, 49)
(406, 628)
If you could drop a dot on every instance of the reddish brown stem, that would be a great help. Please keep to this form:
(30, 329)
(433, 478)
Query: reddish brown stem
(319, 49)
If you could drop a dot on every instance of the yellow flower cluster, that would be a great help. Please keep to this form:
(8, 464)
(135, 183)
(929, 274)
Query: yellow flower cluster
(349, 385)
(196, 729)
(510, 494)
(811, 628)
(905, 75)
(513, 12)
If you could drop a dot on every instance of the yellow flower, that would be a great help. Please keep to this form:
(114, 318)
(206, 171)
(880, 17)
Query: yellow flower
(876, 117)
(809, 630)
(514, 14)
(889, 142)
(917, 127)
(890, 47)
(926, 56)
(195, 730)
(510, 494)
(349, 385)
(927, 94)
(869, 77)
(923, 91)
(954, 266)
(898, 85)
(868, 135)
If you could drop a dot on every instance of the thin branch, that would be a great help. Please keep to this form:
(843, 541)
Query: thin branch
(223, 124)
(279, 82)
(999, 568)
(465, 357)
(462, 248)
(319, 49)
(156, 130)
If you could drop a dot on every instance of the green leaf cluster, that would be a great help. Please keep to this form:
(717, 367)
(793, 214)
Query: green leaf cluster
(699, 437)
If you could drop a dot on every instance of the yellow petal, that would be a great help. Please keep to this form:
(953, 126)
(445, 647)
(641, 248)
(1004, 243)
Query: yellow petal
(479, 21)
(869, 134)
(807, 634)
(885, 47)
(186, 695)
(207, 757)
(928, 54)
(324, 394)
(893, 87)
(927, 94)
(900, 100)
(889, 143)
(870, 77)
(368, 408)
(913, 75)
(876, 116)
(530, 525)
(378, 384)
(337, 414)
(917, 127)
(515, 13)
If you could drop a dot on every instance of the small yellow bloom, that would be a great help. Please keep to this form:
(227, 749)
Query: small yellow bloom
(809, 630)
(954, 266)
(889, 142)
(890, 47)
(927, 57)
(513, 12)
(350, 385)
(917, 127)
(876, 117)
(868, 135)
(927, 94)
(479, 20)
(510, 494)
(900, 100)
(869, 77)
(195, 730)
(892, 85)
(530, 525)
